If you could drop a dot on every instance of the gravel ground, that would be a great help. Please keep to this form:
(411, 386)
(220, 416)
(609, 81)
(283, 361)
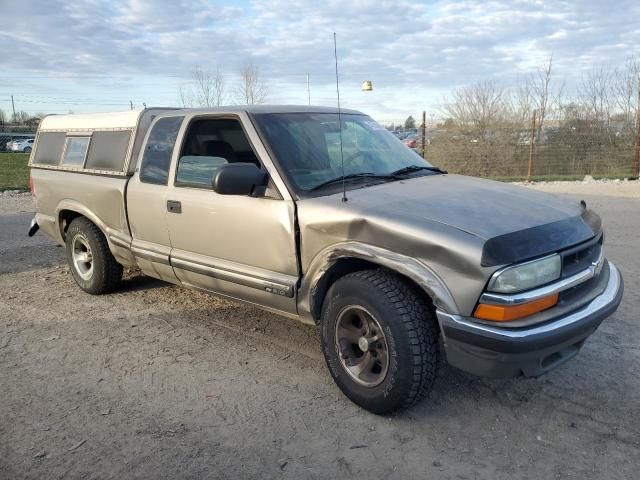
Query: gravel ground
(601, 188)
(15, 202)
(156, 381)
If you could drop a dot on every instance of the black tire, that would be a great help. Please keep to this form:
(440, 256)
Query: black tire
(105, 273)
(27, 150)
(410, 332)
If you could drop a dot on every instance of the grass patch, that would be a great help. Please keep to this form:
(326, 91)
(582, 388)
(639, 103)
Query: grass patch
(14, 173)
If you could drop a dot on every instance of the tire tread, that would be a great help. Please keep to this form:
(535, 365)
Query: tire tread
(417, 316)
(108, 271)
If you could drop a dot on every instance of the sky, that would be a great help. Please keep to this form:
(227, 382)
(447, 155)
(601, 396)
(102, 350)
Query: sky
(93, 55)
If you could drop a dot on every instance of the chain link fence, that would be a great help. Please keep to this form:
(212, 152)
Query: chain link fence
(9, 133)
(569, 151)
(507, 153)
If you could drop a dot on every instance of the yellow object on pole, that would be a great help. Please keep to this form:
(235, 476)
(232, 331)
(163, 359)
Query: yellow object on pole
(367, 86)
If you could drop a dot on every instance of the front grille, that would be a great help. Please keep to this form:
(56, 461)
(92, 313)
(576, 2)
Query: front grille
(586, 291)
(581, 257)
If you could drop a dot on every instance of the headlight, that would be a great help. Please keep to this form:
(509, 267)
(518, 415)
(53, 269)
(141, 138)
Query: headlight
(526, 275)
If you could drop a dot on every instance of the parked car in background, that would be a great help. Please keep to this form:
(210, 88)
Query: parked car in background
(20, 145)
(411, 141)
(402, 135)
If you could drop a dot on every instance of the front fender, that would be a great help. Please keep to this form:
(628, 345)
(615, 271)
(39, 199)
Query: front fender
(418, 272)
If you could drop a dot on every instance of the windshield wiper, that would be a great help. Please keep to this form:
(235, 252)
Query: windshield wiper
(416, 168)
(353, 176)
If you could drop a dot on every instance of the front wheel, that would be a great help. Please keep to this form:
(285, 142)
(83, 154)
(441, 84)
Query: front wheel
(92, 265)
(380, 340)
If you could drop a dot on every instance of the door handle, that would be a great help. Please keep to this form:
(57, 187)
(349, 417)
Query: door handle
(174, 206)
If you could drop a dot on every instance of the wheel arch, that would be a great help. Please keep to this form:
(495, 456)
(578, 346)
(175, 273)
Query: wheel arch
(342, 259)
(68, 210)
(119, 243)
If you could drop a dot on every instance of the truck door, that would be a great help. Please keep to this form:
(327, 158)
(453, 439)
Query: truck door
(239, 246)
(147, 200)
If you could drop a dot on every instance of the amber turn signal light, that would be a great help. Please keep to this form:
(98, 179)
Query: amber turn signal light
(507, 313)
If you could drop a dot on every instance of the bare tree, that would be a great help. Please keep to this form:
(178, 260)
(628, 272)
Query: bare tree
(481, 121)
(252, 88)
(479, 105)
(523, 103)
(205, 89)
(626, 91)
(209, 88)
(537, 93)
(3, 118)
(540, 84)
(596, 93)
(20, 117)
(186, 95)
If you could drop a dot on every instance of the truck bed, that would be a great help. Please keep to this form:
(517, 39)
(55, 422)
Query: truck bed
(100, 198)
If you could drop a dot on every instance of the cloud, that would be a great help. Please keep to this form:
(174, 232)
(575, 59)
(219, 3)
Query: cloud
(411, 51)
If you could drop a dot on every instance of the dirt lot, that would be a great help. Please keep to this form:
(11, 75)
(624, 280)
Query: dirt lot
(157, 381)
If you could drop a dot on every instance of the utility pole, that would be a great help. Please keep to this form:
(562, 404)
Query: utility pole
(424, 131)
(308, 89)
(131, 103)
(14, 109)
(531, 145)
(635, 165)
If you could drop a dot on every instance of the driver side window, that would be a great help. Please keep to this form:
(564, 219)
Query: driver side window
(209, 144)
(198, 171)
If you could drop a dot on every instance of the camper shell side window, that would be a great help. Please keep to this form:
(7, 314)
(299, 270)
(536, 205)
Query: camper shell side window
(95, 151)
(75, 151)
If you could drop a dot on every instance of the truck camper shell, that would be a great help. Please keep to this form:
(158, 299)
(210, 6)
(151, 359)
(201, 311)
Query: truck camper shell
(96, 143)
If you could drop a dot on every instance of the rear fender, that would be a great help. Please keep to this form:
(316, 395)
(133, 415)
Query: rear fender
(119, 242)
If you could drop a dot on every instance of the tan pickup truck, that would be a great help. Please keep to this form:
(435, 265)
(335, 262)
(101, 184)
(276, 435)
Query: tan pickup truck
(325, 217)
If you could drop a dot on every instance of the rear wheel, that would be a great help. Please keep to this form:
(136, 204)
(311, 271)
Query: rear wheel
(92, 265)
(27, 150)
(380, 340)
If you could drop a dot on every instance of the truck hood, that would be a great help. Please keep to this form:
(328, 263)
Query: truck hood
(512, 223)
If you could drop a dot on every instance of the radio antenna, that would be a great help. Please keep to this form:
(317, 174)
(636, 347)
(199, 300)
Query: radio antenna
(335, 55)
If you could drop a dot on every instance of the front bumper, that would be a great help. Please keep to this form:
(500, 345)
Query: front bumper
(491, 351)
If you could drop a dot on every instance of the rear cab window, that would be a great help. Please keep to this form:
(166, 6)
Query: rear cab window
(156, 158)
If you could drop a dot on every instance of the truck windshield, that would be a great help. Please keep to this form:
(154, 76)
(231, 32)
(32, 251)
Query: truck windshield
(307, 148)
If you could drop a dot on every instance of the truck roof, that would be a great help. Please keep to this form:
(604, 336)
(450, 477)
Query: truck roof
(271, 109)
(129, 118)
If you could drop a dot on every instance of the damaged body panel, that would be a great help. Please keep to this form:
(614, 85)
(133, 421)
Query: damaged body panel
(461, 228)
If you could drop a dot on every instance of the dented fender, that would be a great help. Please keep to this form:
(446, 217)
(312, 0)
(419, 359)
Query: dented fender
(412, 268)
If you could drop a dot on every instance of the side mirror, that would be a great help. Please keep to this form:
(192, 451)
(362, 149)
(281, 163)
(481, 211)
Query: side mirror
(238, 179)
